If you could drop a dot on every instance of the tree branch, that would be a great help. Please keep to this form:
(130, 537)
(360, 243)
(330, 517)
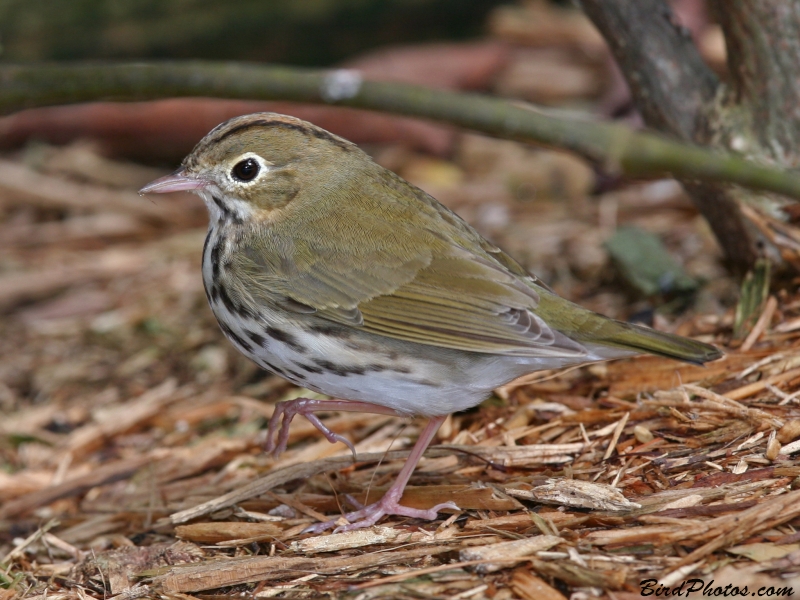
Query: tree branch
(676, 91)
(615, 146)
(763, 42)
(669, 81)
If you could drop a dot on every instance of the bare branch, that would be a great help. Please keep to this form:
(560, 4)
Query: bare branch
(668, 78)
(763, 41)
(615, 146)
(675, 91)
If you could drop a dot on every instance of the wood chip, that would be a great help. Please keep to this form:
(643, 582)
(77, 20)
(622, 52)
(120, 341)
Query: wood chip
(57, 192)
(360, 538)
(467, 497)
(222, 531)
(530, 587)
(643, 434)
(521, 456)
(121, 418)
(789, 432)
(791, 448)
(227, 572)
(686, 501)
(773, 449)
(729, 529)
(618, 428)
(109, 472)
(507, 551)
(747, 391)
(289, 473)
(516, 521)
(578, 494)
(761, 325)
(635, 535)
(647, 374)
(760, 552)
(35, 284)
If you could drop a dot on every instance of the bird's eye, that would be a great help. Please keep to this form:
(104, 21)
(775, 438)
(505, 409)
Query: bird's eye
(245, 170)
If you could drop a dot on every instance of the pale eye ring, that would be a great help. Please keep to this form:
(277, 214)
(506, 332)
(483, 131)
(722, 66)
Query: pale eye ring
(245, 170)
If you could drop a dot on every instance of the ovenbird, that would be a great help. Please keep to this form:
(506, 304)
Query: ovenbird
(335, 273)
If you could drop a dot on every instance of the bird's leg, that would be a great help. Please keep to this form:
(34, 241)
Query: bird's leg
(285, 411)
(390, 503)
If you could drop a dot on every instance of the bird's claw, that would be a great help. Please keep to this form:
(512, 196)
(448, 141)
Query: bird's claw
(284, 413)
(330, 435)
(369, 515)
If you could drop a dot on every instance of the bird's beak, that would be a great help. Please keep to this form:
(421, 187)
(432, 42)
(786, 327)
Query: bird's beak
(177, 182)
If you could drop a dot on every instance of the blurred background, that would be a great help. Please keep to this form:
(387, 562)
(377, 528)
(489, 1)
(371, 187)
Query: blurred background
(300, 32)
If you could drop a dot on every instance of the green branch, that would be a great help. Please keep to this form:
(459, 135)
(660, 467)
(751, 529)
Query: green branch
(616, 147)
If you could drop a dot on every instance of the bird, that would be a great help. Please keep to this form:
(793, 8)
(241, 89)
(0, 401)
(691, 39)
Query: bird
(336, 274)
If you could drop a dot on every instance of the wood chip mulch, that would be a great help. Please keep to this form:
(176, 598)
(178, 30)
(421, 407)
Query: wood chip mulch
(132, 460)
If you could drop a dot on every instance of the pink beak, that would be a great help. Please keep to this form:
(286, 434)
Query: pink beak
(177, 182)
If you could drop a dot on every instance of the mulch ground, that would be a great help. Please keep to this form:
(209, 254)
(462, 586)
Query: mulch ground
(133, 465)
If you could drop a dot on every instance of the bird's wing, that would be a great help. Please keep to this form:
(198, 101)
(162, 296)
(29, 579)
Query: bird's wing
(466, 303)
(434, 282)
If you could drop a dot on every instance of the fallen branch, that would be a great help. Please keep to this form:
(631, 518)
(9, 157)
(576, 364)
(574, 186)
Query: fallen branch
(615, 146)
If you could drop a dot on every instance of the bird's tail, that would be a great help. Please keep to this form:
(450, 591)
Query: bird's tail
(609, 338)
(627, 336)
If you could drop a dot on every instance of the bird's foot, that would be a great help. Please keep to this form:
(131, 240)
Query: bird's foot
(367, 516)
(284, 413)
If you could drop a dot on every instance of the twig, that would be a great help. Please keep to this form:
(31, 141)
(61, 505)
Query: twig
(615, 146)
(108, 473)
(618, 428)
(19, 549)
(761, 325)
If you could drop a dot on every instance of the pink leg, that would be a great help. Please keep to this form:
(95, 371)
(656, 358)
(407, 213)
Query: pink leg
(286, 411)
(390, 503)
